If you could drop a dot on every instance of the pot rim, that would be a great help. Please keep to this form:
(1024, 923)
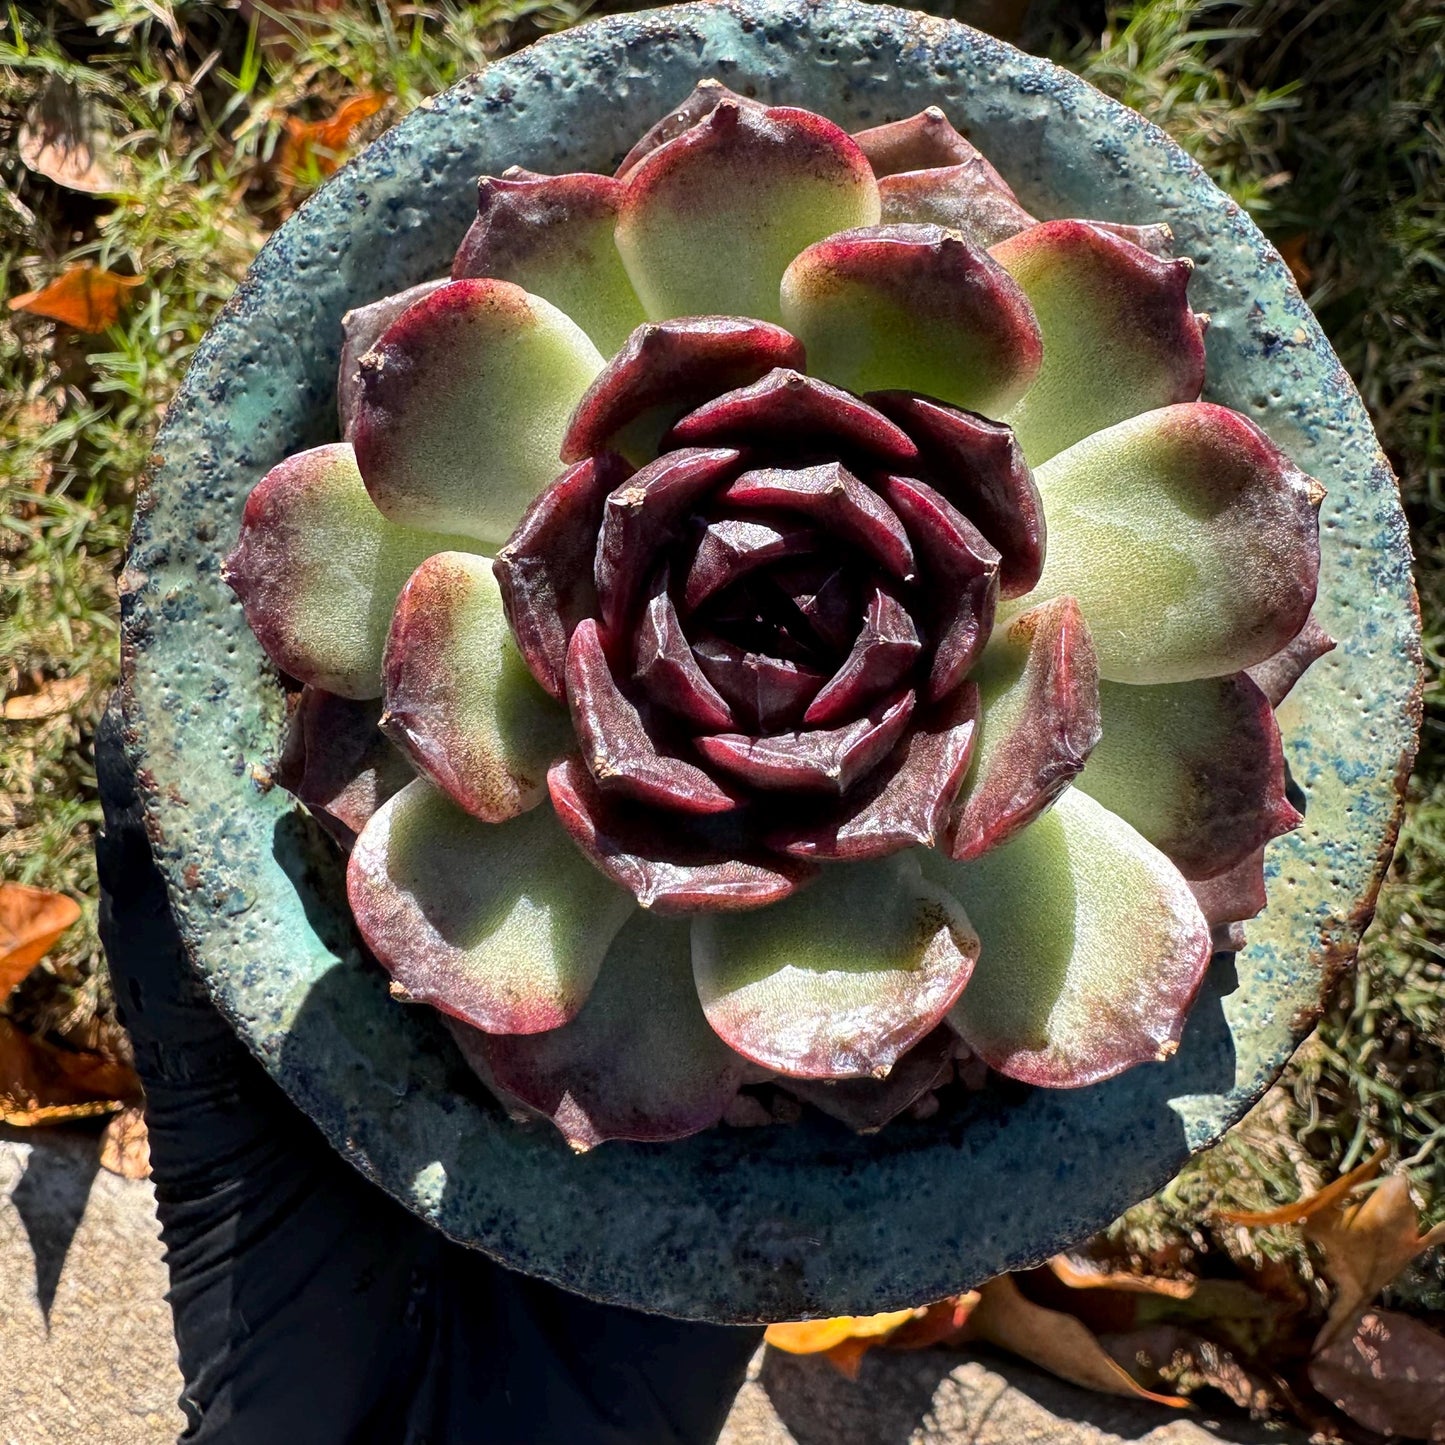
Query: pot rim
(736, 1226)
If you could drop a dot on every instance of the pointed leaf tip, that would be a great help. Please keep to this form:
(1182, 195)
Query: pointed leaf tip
(753, 184)
(979, 467)
(702, 101)
(553, 235)
(664, 370)
(915, 308)
(928, 173)
(361, 328)
(1119, 337)
(616, 745)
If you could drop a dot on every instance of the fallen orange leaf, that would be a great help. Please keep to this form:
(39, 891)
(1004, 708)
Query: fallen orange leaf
(1293, 252)
(1303, 1209)
(1054, 1341)
(845, 1339)
(83, 296)
(43, 1084)
(817, 1337)
(320, 143)
(31, 922)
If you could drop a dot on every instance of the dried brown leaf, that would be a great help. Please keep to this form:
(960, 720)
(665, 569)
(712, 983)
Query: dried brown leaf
(1080, 1274)
(64, 140)
(43, 1084)
(50, 699)
(1177, 1358)
(125, 1145)
(1365, 1247)
(83, 296)
(1313, 1204)
(1054, 1341)
(1386, 1371)
(31, 922)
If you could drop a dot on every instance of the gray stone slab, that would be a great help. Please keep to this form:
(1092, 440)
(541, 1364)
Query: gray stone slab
(938, 1397)
(88, 1353)
(85, 1330)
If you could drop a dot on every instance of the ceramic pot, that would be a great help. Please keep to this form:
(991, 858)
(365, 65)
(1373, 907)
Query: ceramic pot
(737, 1225)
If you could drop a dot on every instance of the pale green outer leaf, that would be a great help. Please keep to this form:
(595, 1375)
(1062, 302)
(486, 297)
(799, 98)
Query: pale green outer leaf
(318, 569)
(842, 978)
(1092, 948)
(1196, 767)
(1119, 336)
(1188, 540)
(465, 401)
(913, 308)
(594, 290)
(639, 1061)
(712, 219)
(1140, 768)
(503, 925)
(460, 700)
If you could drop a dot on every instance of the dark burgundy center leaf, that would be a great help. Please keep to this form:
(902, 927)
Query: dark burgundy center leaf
(787, 596)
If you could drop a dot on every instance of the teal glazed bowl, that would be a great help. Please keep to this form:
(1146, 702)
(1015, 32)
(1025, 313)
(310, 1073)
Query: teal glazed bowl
(737, 1225)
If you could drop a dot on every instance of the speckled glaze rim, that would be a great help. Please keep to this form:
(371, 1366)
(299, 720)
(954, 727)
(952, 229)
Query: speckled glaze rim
(737, 1225)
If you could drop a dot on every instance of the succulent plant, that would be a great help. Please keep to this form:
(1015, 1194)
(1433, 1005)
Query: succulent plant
(822, 636)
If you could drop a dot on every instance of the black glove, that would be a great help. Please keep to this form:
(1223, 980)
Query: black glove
(310, 1308)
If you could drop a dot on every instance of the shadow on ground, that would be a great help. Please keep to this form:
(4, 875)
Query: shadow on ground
(938, 1396)
(51, 1196)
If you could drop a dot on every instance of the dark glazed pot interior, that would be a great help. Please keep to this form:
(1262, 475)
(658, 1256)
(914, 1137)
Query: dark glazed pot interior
(737, 1225)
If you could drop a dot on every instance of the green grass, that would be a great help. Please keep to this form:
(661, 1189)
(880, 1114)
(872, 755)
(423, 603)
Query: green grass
(194, 125)
(1320, 116)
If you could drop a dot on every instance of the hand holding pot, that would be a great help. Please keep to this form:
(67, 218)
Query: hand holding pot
(308, 1305)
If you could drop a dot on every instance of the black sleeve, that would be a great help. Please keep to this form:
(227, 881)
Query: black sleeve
(311, 1308)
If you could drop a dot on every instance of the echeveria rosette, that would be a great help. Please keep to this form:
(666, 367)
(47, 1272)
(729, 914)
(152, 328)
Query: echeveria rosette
(821, 629)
